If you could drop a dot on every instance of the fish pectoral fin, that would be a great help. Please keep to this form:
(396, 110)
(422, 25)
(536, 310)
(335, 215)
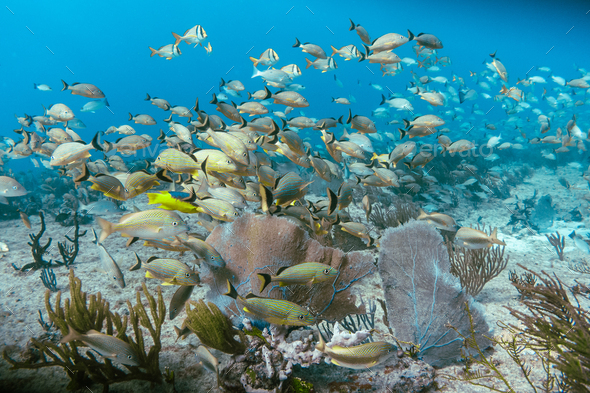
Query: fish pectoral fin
(246, 309)
(148, 274)
(167, 283)
(282, 284)
(335, 362)
(159, 230)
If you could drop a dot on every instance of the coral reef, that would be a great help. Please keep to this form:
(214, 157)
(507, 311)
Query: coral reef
(422, 296)
(84, 313)
(260, 369)
(262, 244)
(522, 282)
(48, 279)
(475, 268)
(213, 328)
(397, 213)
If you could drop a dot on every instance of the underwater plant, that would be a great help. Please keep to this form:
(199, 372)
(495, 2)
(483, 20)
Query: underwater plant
(522, 282)
(84, 313)
(37, 250)
(213, 328)
(69, 253)
(482, 371)
(398, 213)
(48, 279)
(558, 242)
(422, 296)
(557, 325)
(475, 268)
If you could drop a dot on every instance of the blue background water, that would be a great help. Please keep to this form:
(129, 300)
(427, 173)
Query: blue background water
(106, 43)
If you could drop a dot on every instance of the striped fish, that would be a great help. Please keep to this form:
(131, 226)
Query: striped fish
(148, 224)
(279, 312)
(168, 201)
(218, 209)
(141, 181)
(170, 271)
(288, 188)
(110, 186)
(344, 195)
(202, 250)
(229, 195)
(303, 273)
(231, 145)
(217, 161)
(357, 357)
(177, 162)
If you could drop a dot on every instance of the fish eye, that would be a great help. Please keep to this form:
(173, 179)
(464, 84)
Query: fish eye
(326, 271)
(14, 187)
(129, 357)
(114, 277)
(53, 157)
(212, 257)
(302, 317)
(174, 224)
(236, 214)
(244, 155)
(187, 274)
(228, 161)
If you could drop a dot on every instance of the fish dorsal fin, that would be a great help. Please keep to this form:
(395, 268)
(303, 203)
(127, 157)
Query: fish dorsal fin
(281, 269)
(152, 259)
(251, 296)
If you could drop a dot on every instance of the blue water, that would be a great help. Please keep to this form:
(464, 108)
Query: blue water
(106, 44)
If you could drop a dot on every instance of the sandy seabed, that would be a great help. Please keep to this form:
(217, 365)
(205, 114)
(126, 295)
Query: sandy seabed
(22, 294)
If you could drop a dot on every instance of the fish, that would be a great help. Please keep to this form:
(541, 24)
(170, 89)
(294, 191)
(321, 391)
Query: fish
(311, 49)
(108, 265)
(42, 87)
(208, 361)
(25, 219)
(70, 152)
(169, 51)
(95, 105)
(203, 250)
(60, 113)
(159, 102)
(179, 299)
(438, 220)
(146, 120)
(361, 31)
(83, 89)
(100, 208)
(124, 129)
(499, 68)
(475, 239)
(427, 40)
(195, 35)
(358, 357)
(169, 271)
(267, 58)
(129, 144)
(288, 188)
(11, 188)
(580, 242)
(109, 347)
(303, 273)
(279, 312)
(349, 52)
(272, 75)
(148, 224)
(357, 229)
(323, 65)
(218, 209)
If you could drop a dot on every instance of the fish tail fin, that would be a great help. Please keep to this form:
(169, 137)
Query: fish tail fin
(402, 133)
(254, 60)
(35, 86)
(297, 43)
(71, 336)
(65, 87)
(410, 35)
(309, 62)
(154, 51)
(106, 228)
(421, 214)
(137, 265)
(334, 50)
(95, 143)
(265, 279)
(256, 72)
(494, 237)
(231, 291)
(321, 345)
(107, 146)
(178, 38)
(130, 116)
(352, 25)
(147, 98)
(383, 99)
